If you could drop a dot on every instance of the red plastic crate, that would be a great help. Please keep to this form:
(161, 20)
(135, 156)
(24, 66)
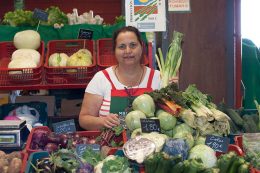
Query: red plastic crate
(106, 57)
(26, 76)
(24, 162)
(68, 75)
(90, 134)
(239, 142)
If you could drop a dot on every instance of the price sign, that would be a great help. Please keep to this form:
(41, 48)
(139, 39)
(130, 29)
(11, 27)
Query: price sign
(40, 14)
(80, 148)
(85, 34)
(150, 125)
(67, 126)
(217, 143)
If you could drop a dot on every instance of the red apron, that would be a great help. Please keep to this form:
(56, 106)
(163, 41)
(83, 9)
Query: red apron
(121, 100)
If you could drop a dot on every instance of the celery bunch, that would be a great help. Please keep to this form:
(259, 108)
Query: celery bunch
(169, 66)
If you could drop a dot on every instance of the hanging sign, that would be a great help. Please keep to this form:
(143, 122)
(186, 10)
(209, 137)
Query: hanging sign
(146, 15)
(179, 5)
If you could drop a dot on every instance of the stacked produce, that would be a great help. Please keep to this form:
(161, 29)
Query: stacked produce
(56, 18)
(185, 117)
(241, 120)
(25, 17)
(10, 163)
(44, 140)
(82, 57)
(86, 17)
(67, 161)
(26, 56)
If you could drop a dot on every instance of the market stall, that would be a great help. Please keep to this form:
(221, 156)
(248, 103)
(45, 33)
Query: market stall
(166, 130)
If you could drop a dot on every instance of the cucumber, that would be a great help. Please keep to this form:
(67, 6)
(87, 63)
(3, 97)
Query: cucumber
(235, 117)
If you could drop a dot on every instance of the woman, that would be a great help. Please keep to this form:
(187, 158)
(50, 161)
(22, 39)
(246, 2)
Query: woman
(112, 90)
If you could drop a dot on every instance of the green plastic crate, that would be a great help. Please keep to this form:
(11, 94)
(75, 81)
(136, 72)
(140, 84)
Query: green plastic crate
(33, 158)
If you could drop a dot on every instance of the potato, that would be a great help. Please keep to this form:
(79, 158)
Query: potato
(4, 162)
(14, 154)
(15, 166)
(2, 154)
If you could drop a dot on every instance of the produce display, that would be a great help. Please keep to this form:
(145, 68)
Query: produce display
(26, 56)
(185, 117)
(43, 139)
(56, 18)
(82, 57)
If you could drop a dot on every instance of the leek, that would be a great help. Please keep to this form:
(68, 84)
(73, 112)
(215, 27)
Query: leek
(169, 66)
(258, 109)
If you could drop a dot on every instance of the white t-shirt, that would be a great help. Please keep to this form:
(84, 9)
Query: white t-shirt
(100, 85)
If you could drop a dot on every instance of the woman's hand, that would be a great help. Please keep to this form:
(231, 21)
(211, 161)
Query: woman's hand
(110, 120)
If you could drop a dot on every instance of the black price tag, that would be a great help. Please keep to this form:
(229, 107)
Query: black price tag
(85, 34)
(67, 126)
(217, 143)
(80, 148)
(40, 14)
(150, 125)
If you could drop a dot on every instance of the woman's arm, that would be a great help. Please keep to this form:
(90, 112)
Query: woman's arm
(89, 118)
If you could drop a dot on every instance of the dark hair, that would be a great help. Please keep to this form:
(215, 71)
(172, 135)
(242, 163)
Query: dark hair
(126, 29)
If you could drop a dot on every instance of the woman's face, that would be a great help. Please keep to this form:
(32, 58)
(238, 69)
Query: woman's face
(128, 49)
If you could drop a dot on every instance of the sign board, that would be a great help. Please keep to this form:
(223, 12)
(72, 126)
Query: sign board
(179, 5)
(40, 14)
(150, 125)
(80, 148)
(217, 143)
(146, 15)
(85, 34)
(67, 126)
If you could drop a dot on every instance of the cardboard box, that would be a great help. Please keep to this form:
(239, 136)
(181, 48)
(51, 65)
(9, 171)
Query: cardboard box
(70, 107)
(4, 99)
(50, 100)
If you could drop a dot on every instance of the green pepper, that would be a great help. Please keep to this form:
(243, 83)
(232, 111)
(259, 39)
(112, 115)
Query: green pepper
(194, 166)
(178, 168)
(164, 164)
(151, 163)
(244, 168)
(236, 163)
(225, 161)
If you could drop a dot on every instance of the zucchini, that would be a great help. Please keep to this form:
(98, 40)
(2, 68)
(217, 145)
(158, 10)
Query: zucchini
(250, 120)
(235, 117)
(233, 128)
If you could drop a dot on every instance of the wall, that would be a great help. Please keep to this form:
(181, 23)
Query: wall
(107, 9)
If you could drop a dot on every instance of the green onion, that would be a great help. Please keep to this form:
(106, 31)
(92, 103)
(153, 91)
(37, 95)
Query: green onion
(169, 66)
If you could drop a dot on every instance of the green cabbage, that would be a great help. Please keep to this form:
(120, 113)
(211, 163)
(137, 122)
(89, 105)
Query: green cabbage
(145, 104)
(187, 136)
(182, 128)
(205, 153)
(167, 121)
(132, 119)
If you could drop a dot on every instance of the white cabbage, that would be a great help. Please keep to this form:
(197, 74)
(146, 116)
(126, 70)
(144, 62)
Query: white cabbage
(31, 54)
(27, 39)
